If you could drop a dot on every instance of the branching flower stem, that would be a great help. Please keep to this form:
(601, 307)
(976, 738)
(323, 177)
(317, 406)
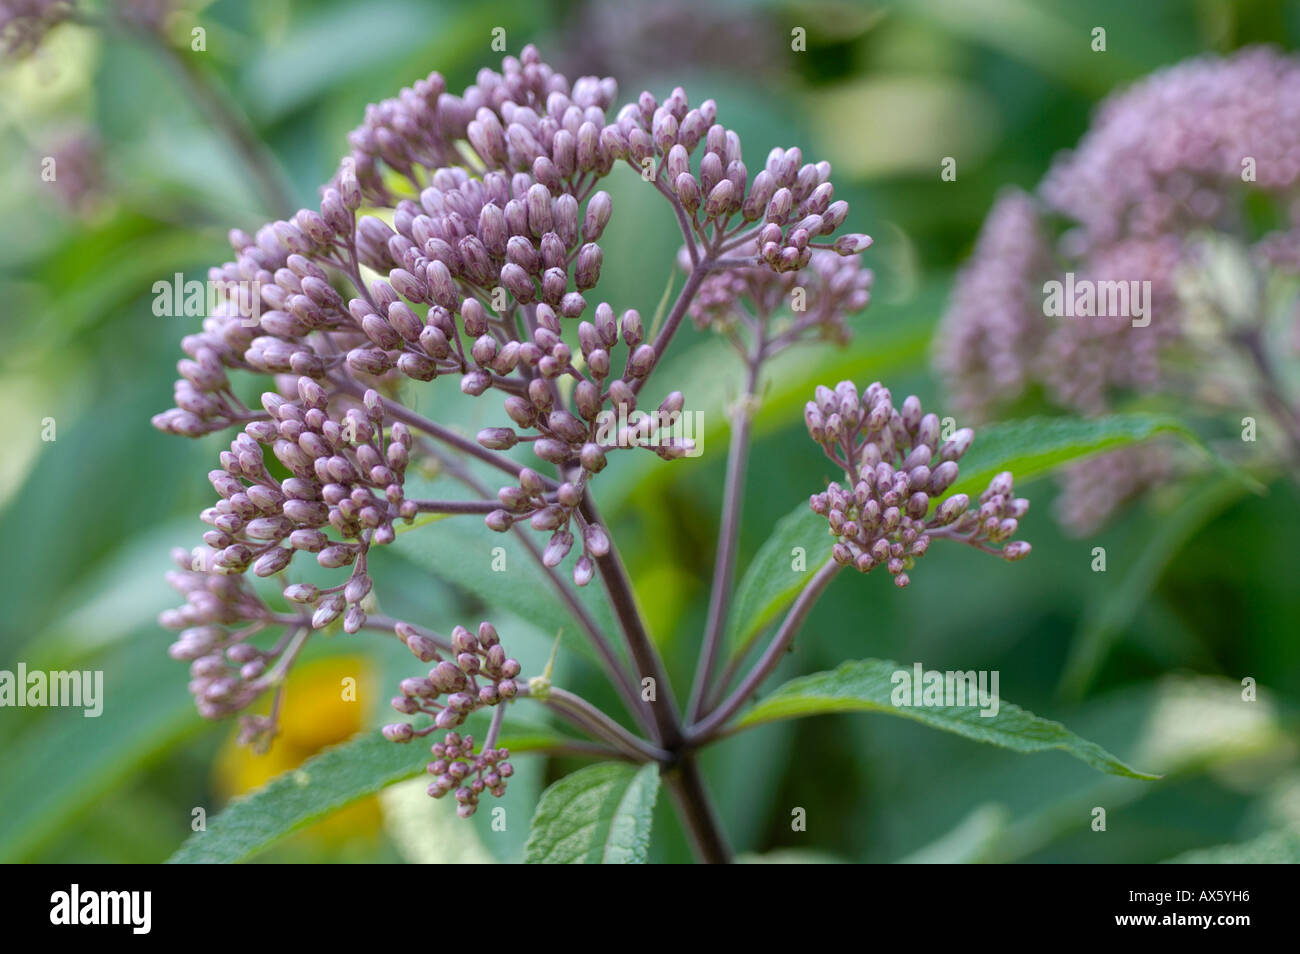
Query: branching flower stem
(728, 539)
(707, 727)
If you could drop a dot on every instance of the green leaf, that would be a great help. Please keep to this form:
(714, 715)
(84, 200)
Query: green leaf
(770, 583)
(1281, 847)
(1112, 612)
(62, 761)
(867, 686)
(460, 550)
(331, 780)
(598, 815)
(1035, 446)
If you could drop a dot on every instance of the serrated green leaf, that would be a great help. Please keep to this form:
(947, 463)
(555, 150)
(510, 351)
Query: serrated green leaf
(598, 815)
(1035, 446)
(771, 583)
(867, 685)
(330, 780)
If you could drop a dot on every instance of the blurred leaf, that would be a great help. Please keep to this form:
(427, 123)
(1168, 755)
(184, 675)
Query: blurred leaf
(333, 46)
(460, 551)
(966, 843)
(1271, 848)
(597, 815)
(323, 784)
(426, 831)
(1038, 445)
(64, 760)
(789, 856)
(770, 583)
(867, 686)
(915, 119)
(1111, 614)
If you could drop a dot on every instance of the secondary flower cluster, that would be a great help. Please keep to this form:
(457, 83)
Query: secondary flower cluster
(819, 298)
(217, 622)
(1181, 153)
(897, 471)
(346, 477)
(478, 676)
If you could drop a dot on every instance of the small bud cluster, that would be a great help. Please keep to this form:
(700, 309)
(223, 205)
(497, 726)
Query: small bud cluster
(227, 672)
(511, 120)
(789, 201)
(896, 470)
(454, 762)
(479, 675)
(832, 288)
(346, 477)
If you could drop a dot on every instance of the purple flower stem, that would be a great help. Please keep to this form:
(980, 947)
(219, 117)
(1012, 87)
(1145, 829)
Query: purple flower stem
(706, 728)
(728, 538)
(667, 729)
(613, 665)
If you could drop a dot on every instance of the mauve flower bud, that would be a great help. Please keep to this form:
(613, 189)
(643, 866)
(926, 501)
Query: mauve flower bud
(498, 438)
(447, 678)
(780, 206)
(596, 216)
(642, 361)
(539, 210)
(475, 383)
(548, 518)
(301, 593)
(328, 611)
(719, 201)
(516, 281)
(1016, 550)
(587, 270)
(951, 509)
(943, 477)
(852, 244)
(960, 442)
(557, 549)
(336, 556)
(353, 620)
(565, 219)
(614, 142)
(272, 562)
(424, 648)
(557, 452)
(399, 732)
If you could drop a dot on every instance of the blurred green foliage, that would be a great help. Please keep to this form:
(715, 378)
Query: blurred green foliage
(885, 90)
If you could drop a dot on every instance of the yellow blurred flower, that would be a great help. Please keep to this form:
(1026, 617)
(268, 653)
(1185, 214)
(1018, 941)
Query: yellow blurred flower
(322, 707)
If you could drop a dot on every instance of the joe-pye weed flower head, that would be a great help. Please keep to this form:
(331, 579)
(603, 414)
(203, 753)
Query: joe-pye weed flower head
(460, 239)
